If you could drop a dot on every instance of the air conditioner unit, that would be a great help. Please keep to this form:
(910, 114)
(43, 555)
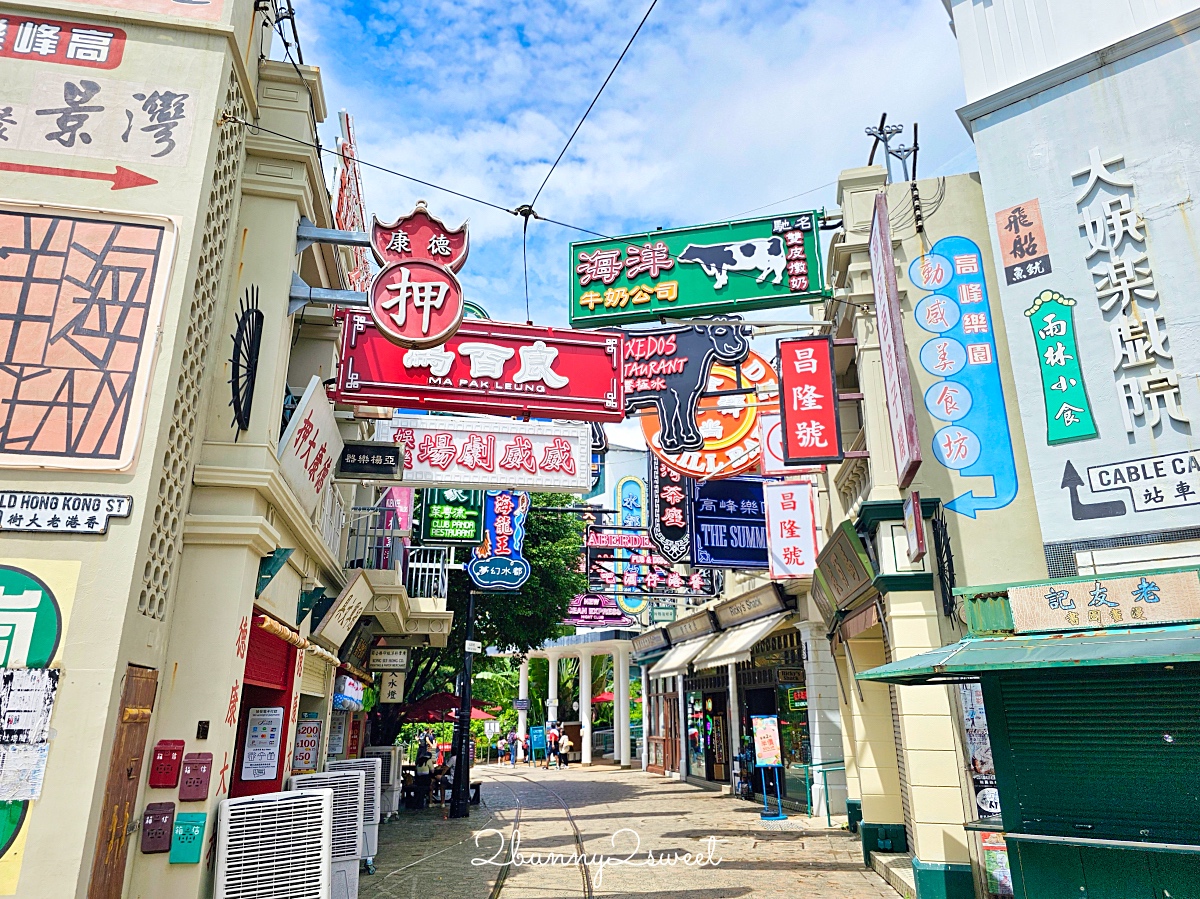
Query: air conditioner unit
(276, 844)
(371, 793)
(390, 779)
(348, 799)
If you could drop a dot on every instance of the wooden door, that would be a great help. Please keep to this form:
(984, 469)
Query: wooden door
(118, 816)
(671, 731)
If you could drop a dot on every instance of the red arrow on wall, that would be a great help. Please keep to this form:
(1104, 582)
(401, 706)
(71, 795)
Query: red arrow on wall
(121, 179)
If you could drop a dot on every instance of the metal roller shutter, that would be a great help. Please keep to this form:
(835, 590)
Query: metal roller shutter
(313, 680)
(1106, 752)
(268, 661)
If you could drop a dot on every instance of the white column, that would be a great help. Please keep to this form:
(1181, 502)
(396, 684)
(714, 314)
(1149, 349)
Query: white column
(683, 730)
(645, 716)
(824, 718)
(552, 689)
(523, 693)
(735, 721)
(585, 707)
(623, 735)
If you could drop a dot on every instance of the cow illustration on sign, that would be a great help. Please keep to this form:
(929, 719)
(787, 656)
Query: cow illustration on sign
(667, 369)
(767, 255)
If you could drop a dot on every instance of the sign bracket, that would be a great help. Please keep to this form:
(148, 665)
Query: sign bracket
(308, 234)
(301, 294)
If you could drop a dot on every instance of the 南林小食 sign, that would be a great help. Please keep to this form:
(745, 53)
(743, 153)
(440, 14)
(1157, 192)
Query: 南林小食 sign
(724, 267)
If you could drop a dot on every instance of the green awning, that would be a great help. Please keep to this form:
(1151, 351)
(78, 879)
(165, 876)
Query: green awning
(967, 659)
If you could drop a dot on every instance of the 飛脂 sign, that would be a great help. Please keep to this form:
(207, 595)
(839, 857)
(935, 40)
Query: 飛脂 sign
(497, 563)
(452, 516)
(1138, 600)
(893, 353)
(808, 401)
(728, 524)
(310, 447)
(725, 267)
(473, 452)
(791, 529)
(487, 367)
(61, 513)
(388, 658)
(372, 460)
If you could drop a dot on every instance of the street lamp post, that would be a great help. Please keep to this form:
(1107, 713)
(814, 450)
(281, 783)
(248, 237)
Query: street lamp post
(461, 791)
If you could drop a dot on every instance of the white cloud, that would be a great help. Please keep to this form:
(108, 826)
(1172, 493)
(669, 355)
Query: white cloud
(718, 108)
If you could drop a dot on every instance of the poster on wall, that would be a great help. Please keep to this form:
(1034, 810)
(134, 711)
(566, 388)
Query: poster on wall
(307, 749)
(77, 376)
(260, 751)
(761, 263)
(337, 733)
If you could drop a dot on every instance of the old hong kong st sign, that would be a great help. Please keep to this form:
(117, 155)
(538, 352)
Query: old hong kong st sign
(415, 299)
(487, 367)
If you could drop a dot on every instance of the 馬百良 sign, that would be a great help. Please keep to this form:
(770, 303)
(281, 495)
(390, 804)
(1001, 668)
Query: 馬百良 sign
(725, 267)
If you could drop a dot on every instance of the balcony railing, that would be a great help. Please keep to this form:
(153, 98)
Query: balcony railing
(426, 576)
(333, 518)
(375, 542)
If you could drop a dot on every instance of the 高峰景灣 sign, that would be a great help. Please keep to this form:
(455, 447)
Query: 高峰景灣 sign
(725, 267)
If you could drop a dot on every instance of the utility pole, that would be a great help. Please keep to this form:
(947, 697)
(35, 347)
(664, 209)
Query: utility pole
(460, 793)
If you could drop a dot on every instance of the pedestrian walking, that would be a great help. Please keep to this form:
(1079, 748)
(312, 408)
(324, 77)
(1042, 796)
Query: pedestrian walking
(552, 744)
(564, 749)
(512, 748)
(525, 748)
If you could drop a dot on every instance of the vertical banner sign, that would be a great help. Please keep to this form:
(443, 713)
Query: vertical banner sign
(670, 499)
(311, 446)
(906, 441)
(914, 527)
(1068, 412)
(349, 213)
(497, 563)
(791, 529)
(969, 397)
(808, 401)
(1023, 242)
(729, 525)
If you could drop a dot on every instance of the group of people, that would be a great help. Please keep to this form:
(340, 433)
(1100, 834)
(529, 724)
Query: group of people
(558, 746)
(429, 776)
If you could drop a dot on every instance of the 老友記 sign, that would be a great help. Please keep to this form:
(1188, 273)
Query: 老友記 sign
(388, 658)
(729, 525)
(729, 266)
(1128, 600)
(311, 446)
(446, 451)
(371, 460)
(61, 513)
(487, 367)
(452, 516)
(893, 353)
(808, 401)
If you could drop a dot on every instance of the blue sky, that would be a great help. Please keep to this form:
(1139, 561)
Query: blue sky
(718, 109)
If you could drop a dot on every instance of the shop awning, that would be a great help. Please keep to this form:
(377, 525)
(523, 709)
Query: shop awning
(677, 659)
(967, 659)
(734, 644)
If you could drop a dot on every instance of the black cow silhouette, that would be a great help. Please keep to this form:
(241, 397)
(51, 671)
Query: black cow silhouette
(725, 341)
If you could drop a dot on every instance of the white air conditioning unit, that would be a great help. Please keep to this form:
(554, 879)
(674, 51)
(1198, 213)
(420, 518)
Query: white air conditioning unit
(276, 844)
(390, 779)
(348, 793)
(371, 802)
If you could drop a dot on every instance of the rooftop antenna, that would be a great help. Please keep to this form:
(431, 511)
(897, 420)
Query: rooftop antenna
(883, 133)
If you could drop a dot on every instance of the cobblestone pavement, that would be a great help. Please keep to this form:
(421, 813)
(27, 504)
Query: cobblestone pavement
(425, 855)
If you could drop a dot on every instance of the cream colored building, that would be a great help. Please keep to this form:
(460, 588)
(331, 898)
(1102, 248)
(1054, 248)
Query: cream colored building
(141, 248)
(903, 745)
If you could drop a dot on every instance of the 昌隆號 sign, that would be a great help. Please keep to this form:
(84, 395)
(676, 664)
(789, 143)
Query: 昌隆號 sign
(808, 401)
(487, 367)
(791, 529)
(477, 453)
(725, 267)
(728, 525)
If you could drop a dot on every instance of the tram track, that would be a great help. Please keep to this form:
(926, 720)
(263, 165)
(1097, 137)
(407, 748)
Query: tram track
(580, 850)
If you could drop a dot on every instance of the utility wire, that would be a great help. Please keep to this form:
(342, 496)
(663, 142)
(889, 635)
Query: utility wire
(370, 165)
(649, 10)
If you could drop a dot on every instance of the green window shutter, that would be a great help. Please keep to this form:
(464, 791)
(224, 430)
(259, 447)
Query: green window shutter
(1110, 753)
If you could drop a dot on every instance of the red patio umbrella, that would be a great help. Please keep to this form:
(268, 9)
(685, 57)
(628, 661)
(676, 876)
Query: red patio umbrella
(606, 696)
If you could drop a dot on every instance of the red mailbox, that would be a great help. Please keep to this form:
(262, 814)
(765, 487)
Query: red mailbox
(157, 824)
(164, 766)
(197, 771)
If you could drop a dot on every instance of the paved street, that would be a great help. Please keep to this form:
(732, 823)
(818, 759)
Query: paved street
(615, 816)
